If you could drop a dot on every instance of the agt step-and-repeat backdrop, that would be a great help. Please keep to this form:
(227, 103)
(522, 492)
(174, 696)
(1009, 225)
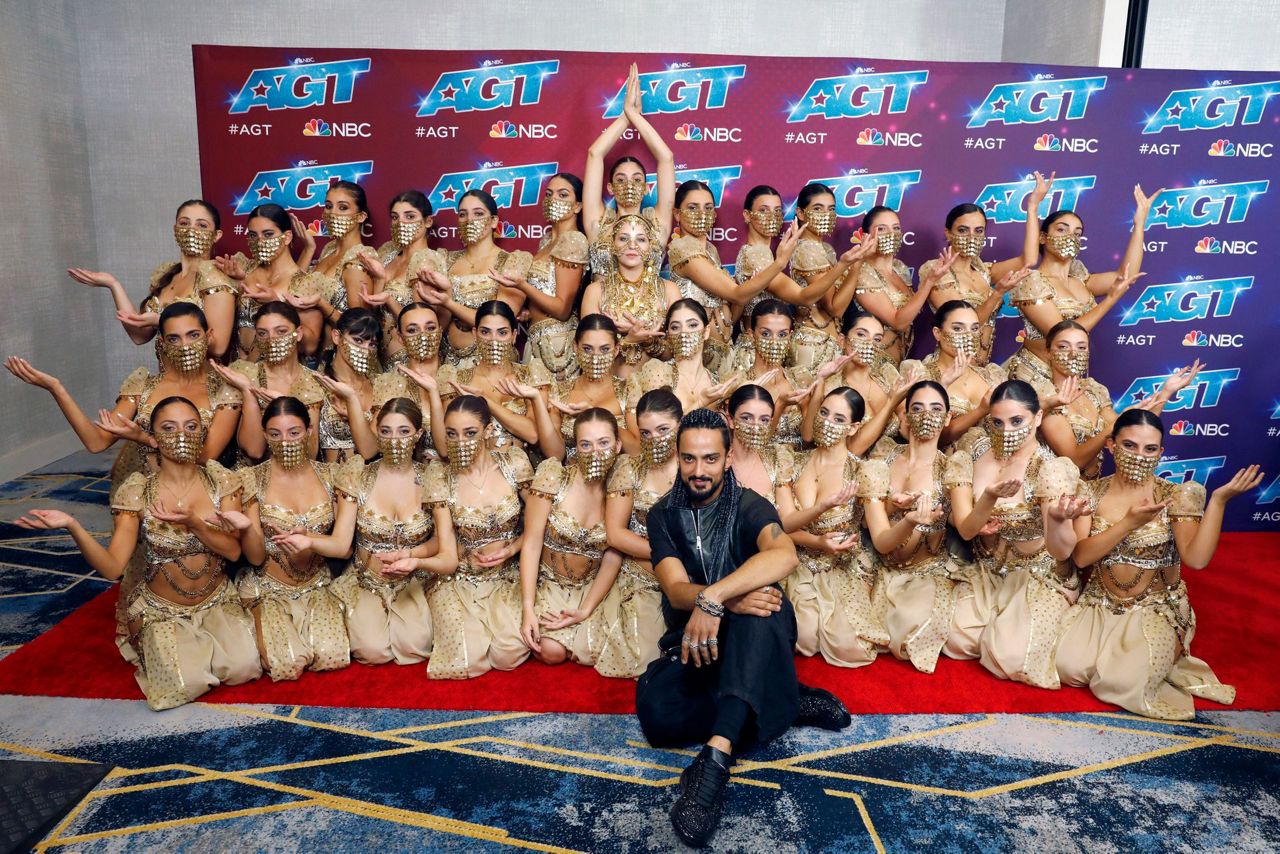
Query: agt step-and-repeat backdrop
(277, 125)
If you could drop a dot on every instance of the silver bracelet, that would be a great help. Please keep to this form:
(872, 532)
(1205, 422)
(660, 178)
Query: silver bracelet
(715, 609)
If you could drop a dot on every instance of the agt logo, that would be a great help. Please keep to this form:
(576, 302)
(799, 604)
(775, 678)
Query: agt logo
(715, 177)
(893, 139)
(1220, 105)
(1207, 389)
(509, 185)
(506, 130)
(1034, 101)
(856, 193)
(489, 87)
(1194, 299)
(1196, 338)
(1269, 493)
(1197, 469)
(1004, 202)
(299, 187)
(1204, 204)
(689, 132)
(1214, 246)
(1078, 145)
(1186, 428)
(1227, 148)
(679, 89)
(319, 127)
(299, 86)
(854, 96)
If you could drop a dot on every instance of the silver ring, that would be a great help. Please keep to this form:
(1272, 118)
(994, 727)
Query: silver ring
(713, 642)
(687, 641)
(702, 645)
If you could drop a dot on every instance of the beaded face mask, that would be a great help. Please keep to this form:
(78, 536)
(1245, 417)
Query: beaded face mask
(289, 453)
(594, 366)
(698, 222)
(492, 351)
(1132, 467)
(1006, 442)
(967, 245)
(594, 465)
(768, 223)
(337, 224)
(1064, 245)
(181, 446)
(827, 433)
(889, 244)
(965, 343)
(422, 346)
(629, 192)
(473, 230)
(462, 451)
(773, 350)
(554, 210)
(186, 358)
(265, 249)
(359, 358)
(754, 436)
(193, 242)
(925, 423)
(280, 348)
(1073, 363)
(404, 233)
(864, 350)
(397, 450)
(685, 344)
(820, 222)
(658, 449)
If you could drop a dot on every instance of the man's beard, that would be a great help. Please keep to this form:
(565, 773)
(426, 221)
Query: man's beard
(701, 489)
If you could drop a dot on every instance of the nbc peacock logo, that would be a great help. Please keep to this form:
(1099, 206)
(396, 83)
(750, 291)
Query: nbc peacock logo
(1208, 245)
(317, 127)
(870, 136)
(1181, 428)
(507, 230)
(1021, 337)
(1047, 142)
(503, 130)
(316, 227)
(1222, 148)
(857, 236)
(689, 132)
(1195, 338)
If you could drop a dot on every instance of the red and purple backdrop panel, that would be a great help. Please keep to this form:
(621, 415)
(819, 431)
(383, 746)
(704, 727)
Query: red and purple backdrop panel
(279, 124)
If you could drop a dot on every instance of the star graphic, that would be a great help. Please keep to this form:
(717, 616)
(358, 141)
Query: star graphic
(1151, 304)
(991, 205)
(260, 91)
(819, 100)
(1163, 209)
(449, 194)
(1140, 395)
(447, 93)
(998, 105)
(264, 192)
(1175, 111)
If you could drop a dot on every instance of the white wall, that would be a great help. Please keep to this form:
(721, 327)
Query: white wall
(1236, 35)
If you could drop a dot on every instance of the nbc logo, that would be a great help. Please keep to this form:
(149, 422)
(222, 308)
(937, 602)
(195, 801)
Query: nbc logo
(317, 127)
(1222, 148)
(689, 133)
(1227, 148)
(1195, 338)
(857, 236)
(1021, 336)
(502, 130)
(508, 230)
(1047, 142)
(1181, 428)
(1209, 245)
(870, 136)
(316, 227)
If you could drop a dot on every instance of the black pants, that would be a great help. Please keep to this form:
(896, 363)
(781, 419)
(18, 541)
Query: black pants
(678, 704)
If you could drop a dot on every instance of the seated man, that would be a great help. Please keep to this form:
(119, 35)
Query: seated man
(726, 675)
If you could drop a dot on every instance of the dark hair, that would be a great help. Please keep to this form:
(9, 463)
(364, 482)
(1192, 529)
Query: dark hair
(853, 314)
(869, 217)
(362, 202)
(948, 308)
(358, 323)
(278, 307)
(415, 198)
(498, 307)
(626, 158)
(963, 210)
(286, 406)
(595, 413)
(413, 306)
(688, 187)
(756, 192)
(402, 406)
(472, 404)
(770, 305)
(1054, 217)
(705, 419)
(810, 191)
(594, 323)
(1134, 417)
(661, 400)
(485, 199)
(279, 216)
(747, 393)
(936, 386)
(182, 309)
(213, 212)
(1061, 327)
(857, 406)
(691, 304)
(1017, 391)
(169, 401)
(575, 183)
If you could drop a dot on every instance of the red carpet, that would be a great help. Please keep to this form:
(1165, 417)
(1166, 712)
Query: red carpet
(1236, 600)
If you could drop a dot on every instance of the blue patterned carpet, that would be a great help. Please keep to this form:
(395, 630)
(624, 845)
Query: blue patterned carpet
(244, 778)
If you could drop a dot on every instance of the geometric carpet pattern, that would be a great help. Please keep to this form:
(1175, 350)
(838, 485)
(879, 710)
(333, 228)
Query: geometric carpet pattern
(210, 777)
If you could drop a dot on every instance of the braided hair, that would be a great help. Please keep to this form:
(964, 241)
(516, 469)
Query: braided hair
(724, 510)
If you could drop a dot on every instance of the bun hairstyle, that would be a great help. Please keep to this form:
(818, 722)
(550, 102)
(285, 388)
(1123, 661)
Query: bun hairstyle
(1017, 391)
(471, 404)
(963, 210)
(1135, 417)
(747, 393)
(857, 406)
(660, 400)
(924, 384)
(287, 406)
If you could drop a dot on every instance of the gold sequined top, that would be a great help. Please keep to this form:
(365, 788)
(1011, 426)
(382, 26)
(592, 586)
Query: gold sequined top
(1151, 546)
(334, 284)
(811, 259)
(780, 467)
(1036, 289)
(318, 519)
(871, 281)
(949, 287)
(565, 534)
(305, 387)
(847, 517)
(476, 527)
(401, 286)
(334, 429)
(301, 284)
(1082, 426)
(473, 289)
(534, 373)
(1047, 478)
(645, 299)
(376, 533)
(626, 478)
(209, 280)
(752, 258)
(875, 484)
(991, 374)
(684, 249)
(570, 250)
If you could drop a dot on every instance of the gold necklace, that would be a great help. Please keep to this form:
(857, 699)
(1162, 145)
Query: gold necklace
(179, 497)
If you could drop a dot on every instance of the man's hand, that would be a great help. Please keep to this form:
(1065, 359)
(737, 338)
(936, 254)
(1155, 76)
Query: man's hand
(758, 603)
(700, 641)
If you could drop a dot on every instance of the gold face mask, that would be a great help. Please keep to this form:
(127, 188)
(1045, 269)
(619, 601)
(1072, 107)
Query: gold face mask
(397, 450)
(1132, 467)
(658, 449)
(473, 230)
(594, 465)
(966, 245)
(1073, 363)
(280, 349)
(404, 233)
(965, 343)
(186, 358)
(864, 350)
(462, 451)
(925, 423)
(754, 436)
(265, 249)
(773, 350)
(554, 210)
(827, 433)
(492, 351)
(337, 224)
(422, 346)
(889, 244)
(629, 192)
(1064, 245)
(768, 223)
(359, 358)
(821, 222)
(181, 446)
(685, 345)
(594, 366)
(289, 453)
(697, 222)
(193, 242)
(1006, 442)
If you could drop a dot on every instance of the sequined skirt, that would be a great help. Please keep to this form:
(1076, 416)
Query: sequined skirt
(386, 621)
(629, 622)
(476, 614)
(300, 627)
(558, 593)
(1018, 639)
(916, 606)
(831, 595)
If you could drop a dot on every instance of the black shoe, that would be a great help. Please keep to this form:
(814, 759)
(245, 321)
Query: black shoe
(697, 810)
(821, 709)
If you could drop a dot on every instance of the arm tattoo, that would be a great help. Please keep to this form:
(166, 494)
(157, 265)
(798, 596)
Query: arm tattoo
(774, 530)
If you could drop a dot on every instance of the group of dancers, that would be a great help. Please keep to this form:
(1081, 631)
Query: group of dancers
(411, 453)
